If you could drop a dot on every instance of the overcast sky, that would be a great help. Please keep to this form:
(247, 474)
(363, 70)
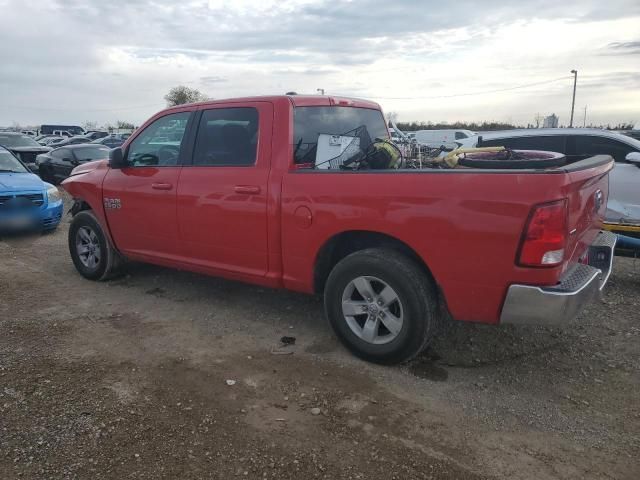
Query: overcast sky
(103, 60)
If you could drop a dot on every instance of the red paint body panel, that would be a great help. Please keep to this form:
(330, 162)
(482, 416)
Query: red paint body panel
(148, 223)
(266, 224)
(222, 211)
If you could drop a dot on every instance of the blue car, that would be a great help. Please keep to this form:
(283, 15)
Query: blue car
(26, 202)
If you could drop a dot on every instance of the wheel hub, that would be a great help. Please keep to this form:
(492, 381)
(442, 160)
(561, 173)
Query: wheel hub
(372, 310)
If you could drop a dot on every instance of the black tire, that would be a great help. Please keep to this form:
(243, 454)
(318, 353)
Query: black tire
(110, 261)
(415, 291)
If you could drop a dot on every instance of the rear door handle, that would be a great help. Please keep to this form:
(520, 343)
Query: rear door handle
(161, 186)
(247, 189)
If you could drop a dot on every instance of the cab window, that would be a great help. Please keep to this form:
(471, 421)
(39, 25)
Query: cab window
(159, 144)
(227, 137)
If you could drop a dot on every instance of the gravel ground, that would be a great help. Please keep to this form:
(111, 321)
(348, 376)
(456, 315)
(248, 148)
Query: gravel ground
(165, 374)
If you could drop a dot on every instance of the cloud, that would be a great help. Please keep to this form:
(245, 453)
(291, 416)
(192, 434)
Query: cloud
(623, 48)
(210, 79)
(79, 54)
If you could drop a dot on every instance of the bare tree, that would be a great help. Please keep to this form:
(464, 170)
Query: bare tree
(125, 125)
(538, 118)
(181, 94)
(90, 125)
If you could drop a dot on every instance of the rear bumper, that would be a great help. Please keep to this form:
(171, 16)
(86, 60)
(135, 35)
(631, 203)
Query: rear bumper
(526, 304)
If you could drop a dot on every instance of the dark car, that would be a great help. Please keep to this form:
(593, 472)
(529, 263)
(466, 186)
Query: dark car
(77, 140)
(95, 134)
(111, 141)
(24, 147)
(57, 164)
(52, 129)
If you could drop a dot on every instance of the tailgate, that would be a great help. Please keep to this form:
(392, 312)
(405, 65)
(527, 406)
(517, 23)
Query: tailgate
(587, 190)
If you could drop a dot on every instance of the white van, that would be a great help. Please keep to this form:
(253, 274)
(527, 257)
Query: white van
(436, 138)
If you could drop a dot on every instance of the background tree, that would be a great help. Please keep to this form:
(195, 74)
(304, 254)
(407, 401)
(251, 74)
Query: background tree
(125, 125)
(181, 94)
(89, 125)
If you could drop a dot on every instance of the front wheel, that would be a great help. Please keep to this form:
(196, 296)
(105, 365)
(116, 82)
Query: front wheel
(91, 251)
(382, 305)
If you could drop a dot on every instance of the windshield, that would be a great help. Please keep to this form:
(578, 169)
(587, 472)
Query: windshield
(324, 135)
(9, 164)
(91, 153)
(17, 141)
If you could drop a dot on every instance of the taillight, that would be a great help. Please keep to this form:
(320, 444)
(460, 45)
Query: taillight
(545, 236)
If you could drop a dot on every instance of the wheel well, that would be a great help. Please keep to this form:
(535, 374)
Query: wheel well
(346, 243)
(78, 206)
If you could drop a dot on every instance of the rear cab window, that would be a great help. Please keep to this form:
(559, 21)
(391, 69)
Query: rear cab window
(227, 137)
(325, 137)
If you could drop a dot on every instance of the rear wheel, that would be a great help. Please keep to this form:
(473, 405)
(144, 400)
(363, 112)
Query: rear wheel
(382, 305)
(91, 251)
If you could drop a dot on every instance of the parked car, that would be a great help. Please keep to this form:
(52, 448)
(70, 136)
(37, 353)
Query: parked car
(240, 189)
(95, 134)
(24, 147)
(57, 164)
(49, 141)
(52, 129)
(579, 143)
(42, 138)
(77, 140)
(55, 142)
(436, 138)
(111, 141)
(26, 202)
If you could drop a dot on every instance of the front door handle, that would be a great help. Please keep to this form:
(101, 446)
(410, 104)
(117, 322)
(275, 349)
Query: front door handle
(247, 189)
(161, 186)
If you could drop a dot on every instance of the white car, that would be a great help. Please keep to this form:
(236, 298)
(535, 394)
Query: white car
(624, 180)
(436, 138)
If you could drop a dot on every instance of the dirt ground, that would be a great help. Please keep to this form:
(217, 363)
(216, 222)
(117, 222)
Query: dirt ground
(165, 374)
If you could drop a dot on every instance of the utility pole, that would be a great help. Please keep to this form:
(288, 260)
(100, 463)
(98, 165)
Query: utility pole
(573, 102)
(320, 91)
(584, 123)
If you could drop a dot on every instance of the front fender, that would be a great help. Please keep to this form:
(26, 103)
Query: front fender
(86, 190)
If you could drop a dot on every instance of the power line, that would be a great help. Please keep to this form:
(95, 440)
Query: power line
(469, 94)
(117, 109)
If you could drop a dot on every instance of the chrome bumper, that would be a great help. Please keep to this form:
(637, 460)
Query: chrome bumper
(526, 304)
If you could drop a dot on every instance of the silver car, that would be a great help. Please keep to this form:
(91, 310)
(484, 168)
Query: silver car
(577, 143)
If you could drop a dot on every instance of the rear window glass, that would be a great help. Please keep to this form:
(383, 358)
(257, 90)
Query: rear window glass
(335, 125)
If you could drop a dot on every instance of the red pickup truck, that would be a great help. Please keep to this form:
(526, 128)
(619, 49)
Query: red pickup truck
(249, 189)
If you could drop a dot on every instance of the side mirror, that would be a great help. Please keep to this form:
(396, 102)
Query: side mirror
(633, 157)
(116, 158)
